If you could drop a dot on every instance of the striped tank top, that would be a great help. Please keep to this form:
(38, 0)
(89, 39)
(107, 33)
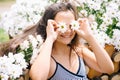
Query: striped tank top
(61, 73)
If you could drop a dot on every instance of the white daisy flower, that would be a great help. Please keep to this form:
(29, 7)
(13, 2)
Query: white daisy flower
(75, 25)
(62, 27)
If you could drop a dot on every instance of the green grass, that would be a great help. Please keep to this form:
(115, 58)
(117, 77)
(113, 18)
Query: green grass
(3, 36)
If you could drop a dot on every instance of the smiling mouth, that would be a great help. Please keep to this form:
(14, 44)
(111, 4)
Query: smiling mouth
(66, 36)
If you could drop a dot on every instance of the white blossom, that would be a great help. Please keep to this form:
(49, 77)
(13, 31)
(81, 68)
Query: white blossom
(75, 25)
(22, 14)
(116, 39)
(62, 27)
(4, 76)
(83, 13)
(10, 66)
(34, 55)
(33, 41)
(24, 45)
(39, 39)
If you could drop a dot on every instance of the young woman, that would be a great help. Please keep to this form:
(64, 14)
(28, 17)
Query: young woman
(62, 56)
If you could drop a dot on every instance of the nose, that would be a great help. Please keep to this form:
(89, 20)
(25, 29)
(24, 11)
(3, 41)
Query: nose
(68, 29)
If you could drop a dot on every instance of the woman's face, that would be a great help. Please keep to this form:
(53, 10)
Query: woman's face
(65, 17)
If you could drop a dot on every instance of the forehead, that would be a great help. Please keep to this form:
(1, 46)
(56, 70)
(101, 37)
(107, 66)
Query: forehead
(64, 16)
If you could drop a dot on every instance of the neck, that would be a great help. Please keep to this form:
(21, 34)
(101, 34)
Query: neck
(62, 53)
(61, 49)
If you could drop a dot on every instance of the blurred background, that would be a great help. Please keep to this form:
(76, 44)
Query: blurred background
(4, 6)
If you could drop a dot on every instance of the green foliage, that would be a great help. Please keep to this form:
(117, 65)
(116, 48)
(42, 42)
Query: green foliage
(54, 1)
(3, 36)
(111, 27)
(87, 9)
(119, 7)
(79, 8)
(27, 52)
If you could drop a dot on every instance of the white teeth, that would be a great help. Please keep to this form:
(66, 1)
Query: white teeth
(66, 36)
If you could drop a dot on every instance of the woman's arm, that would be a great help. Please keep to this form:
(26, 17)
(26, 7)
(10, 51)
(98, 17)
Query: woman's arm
(99, 58)
(40, 68)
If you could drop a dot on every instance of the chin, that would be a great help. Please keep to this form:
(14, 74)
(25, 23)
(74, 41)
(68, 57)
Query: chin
(66, 42)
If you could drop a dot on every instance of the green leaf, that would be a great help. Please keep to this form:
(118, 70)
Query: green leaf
(54, 1)
(87, 9)
(99, 21)
(119, 7)
(103, 7)
(93, 11)
(118, 27)
(109, 31)
(109, 0)
(111, 27)
(27, 53)
(79, 8)
(115, 21)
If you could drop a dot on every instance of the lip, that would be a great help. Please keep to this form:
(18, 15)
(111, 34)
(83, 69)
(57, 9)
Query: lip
(66, 36)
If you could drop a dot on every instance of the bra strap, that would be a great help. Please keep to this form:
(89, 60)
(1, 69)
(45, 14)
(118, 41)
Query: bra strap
(53, 59)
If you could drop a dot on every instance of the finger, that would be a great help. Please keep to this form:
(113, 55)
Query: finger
(56, 28)
(79, 32)
(49, 23)
(53, 24)
(80, 20)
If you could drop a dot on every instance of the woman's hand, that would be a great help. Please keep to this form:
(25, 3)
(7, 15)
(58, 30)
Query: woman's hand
(51, 30)
(84, 31)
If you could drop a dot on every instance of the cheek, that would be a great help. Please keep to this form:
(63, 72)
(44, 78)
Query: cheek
(61, 37)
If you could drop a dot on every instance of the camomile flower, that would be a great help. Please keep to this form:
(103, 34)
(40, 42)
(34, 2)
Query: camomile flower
(75, 25)
(62, 27)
